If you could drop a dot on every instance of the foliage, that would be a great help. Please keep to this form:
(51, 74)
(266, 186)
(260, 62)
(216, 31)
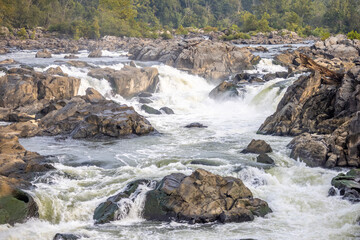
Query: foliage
(96, 18)
(22, 33)
(166, 35)
(182, 31)
(353, 35)
(238, 35)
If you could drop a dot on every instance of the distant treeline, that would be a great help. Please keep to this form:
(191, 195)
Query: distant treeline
(95, 18)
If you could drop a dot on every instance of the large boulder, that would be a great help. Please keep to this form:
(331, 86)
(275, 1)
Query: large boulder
(23, 87)
(257, 146)
(80, 118)
(129, 81)
(202, 197)
(199, 198)
(311, 149)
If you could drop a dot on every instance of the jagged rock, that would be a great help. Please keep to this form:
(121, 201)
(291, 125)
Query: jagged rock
(95, 54)
(348, 185)
(322, 103)
(311, 149)
(224, 90)
(82, 119)
(202, 197)
(93, 96)
(43, 54)
(257, 146)
(56, 71)
(150, 110)
(195, 125)
(22, 87)
(129, 81)
(167, 110)
(264, 158)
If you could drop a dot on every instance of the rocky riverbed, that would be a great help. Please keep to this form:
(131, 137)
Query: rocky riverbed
(106, 157)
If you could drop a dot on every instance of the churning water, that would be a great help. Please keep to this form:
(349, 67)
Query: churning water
(88, 172)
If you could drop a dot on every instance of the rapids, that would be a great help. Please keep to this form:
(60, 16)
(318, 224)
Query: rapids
(88, 172)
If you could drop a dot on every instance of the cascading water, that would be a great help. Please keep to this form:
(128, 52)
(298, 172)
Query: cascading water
(88, 172)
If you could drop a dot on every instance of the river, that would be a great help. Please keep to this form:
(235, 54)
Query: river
(88, 172)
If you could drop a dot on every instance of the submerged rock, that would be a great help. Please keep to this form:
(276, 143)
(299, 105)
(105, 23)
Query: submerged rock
(348, 185)
(202, 197)
(167, 110)
(66, 236)
(264, 158)
(150, 110)
(195, 125)
(257, 146)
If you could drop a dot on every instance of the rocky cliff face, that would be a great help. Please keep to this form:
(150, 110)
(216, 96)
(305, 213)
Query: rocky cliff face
(322, 108)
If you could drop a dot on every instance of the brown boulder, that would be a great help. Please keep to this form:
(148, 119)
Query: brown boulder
(129, 81)
(257, 146)
(95, 54)
(43, 54)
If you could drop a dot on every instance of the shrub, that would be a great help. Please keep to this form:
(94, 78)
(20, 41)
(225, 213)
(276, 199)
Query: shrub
(22, 33)
(238, 35)
(33, 35)
(166, 35)
(182, 31)
(353, 35)
(210, 29)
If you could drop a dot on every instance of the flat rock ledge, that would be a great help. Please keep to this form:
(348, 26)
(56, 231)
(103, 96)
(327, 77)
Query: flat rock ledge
(201, 197)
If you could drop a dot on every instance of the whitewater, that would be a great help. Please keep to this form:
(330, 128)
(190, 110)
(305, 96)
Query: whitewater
(88, 172)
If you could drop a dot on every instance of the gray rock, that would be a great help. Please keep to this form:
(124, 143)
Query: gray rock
(150, 110)
(264, 158)
(167, 110)
(195, 125)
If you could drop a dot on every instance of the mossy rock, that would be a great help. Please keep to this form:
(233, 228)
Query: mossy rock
(350, 180)
(13, 210)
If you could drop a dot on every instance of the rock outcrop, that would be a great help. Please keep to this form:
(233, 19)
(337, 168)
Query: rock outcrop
(17, 167)
(199, 198)
(129, 81)
(22, 86)
(209, 59)
(326, 103)
(43, 54)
